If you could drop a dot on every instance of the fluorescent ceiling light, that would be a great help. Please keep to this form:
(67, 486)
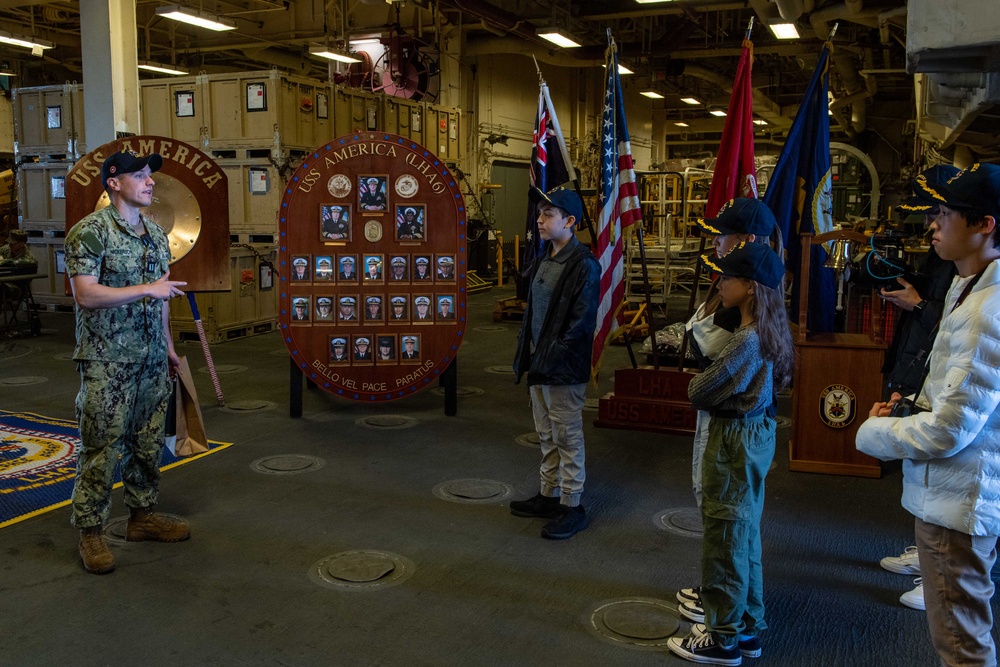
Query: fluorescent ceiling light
(25, 42)
(559, 37)
(690, 100)
(622, 70)
(758, 121)
(364, 42)
(196, 17)
(333, 54)
(717, 112)
(784, 30)
(162, 69)
(681, 124)
(652, 94)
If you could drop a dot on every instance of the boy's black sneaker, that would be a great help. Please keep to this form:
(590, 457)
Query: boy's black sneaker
(570, 522)
(704, 649)
(749, 646)
(536, 506)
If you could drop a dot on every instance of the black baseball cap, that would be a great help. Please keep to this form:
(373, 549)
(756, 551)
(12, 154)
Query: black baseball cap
(126, 162)
(927, 189)
(755, 261)
(743, 215)
(976, 187)
(564, 198)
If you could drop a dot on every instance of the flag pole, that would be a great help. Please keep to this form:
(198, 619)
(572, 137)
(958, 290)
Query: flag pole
(576, 179)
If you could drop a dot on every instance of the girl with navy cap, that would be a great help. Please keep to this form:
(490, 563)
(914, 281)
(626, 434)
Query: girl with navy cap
(737, 390)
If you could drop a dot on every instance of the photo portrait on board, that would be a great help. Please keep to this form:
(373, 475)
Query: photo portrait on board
(362, 348)
(300, 309)
(410, 222)
(348, 310)
(386, 349)
(373, 309)
(373, 268)
(422, 268)
(335, 222)
(422, 309)
(398, 312)
(324, 309)
(371, 191)
(411, 348)
(338, 351)
(397, 269)
(446, 307)
(300, 268)
(445, 267)
(348, 269)
(324, 267)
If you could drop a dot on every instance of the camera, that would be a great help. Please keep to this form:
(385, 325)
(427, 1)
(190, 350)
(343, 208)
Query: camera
(905, 407)
(885, 260)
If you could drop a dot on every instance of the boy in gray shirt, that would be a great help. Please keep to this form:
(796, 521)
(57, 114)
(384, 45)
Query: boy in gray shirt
(554, 349)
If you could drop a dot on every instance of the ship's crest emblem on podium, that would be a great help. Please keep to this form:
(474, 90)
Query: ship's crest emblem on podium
(837, 406)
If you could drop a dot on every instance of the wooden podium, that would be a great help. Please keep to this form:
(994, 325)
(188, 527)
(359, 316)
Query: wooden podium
(838, 376)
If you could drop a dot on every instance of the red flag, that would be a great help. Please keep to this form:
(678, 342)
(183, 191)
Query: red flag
(735, 172)
(619, 207)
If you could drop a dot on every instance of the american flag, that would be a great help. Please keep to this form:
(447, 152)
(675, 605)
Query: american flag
(550, 166)
(619, 206)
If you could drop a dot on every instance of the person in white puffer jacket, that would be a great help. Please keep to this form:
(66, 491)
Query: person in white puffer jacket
(950, 443)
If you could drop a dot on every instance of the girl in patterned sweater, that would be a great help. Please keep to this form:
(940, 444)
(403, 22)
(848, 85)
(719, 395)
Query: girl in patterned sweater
(736, 390)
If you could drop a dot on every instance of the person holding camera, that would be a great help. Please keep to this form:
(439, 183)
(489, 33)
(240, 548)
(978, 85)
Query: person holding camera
(950, 441)
(922, 303)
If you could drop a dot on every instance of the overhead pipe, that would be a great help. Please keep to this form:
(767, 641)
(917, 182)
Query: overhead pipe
(790, 10)
(281, 59)
(821, 18)
(763, 106)
(490, 47)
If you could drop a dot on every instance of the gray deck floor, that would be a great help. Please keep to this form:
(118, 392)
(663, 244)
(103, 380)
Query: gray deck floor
(485, 588)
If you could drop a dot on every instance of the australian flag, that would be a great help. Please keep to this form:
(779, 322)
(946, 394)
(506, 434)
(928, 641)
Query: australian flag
(799, 193)
(550, 167)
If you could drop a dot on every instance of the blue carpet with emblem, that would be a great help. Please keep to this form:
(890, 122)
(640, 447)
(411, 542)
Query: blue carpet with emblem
(38, 464)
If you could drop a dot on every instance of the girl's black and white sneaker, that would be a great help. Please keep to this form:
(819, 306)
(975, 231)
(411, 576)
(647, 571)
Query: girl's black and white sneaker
(690, 595)
(692, 611)
(749, 646)
(705, 650)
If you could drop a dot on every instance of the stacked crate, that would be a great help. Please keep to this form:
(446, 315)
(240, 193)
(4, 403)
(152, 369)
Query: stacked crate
(258, 126)
(48, 139)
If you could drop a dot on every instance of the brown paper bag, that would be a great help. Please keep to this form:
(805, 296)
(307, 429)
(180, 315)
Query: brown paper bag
(190, 428)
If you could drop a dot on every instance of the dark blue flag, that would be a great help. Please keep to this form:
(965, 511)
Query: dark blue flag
(800, 195)
(550, 167)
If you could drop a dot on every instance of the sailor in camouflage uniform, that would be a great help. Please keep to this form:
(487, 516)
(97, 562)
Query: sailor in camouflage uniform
(117, 260)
